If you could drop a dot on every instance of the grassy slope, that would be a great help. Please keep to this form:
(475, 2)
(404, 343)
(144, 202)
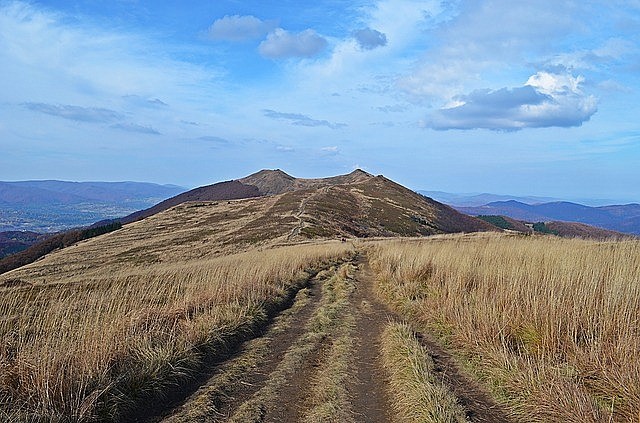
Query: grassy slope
(550, 324)
(93, 328)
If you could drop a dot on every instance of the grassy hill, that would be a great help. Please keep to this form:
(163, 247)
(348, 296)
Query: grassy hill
(320, 300)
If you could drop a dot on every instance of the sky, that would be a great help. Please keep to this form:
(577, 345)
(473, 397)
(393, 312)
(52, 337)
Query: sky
(501, 96)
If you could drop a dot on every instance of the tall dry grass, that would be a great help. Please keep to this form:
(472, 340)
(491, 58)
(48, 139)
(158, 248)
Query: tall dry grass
(552, 324)
(90, 349)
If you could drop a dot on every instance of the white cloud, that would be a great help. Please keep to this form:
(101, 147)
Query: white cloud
(282, 44)
(470, 48)
(47, 57)
(239, 28)
(545, 100)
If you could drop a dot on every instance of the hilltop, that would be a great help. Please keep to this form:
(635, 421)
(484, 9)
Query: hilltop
(356, 204)
(271, 207)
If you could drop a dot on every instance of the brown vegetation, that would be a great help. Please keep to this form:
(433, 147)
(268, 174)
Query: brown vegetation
(550, 324)
(580, 230)
(94, 346)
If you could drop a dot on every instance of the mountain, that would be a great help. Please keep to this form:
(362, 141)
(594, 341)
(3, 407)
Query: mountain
(356, 204)
(51, 191)
(621, 218)
(580, 230)
(475, 200)
(271, 206)
(13, 194)
(51, 206)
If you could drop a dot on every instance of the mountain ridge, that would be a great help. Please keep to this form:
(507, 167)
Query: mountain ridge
(621, 218)
(334, 191)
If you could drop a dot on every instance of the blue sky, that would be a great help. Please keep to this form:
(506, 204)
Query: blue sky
(519, 97)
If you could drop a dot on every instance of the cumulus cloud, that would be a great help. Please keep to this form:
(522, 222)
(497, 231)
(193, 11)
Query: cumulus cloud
(134, 127)
(546, 100)
(282, 44)
(369, 39)
(301, 120)
(239, 28)
(76, 113)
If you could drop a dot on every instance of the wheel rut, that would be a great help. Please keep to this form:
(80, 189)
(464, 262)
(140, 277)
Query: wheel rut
(240, 377)
(321, 360)
(370, 399)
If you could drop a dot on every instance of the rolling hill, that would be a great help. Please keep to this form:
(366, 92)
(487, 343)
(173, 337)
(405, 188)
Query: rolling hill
(356, 204)
(273, 207)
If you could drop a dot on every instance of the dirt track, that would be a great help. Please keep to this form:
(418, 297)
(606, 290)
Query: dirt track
(321, 354)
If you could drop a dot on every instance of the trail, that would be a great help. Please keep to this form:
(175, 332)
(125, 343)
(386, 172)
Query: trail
(320, 361)
(371, 402)
(301, 208)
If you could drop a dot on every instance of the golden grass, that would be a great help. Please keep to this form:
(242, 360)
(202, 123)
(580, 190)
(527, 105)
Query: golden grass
(93, 345)
(418, 395)
(552, 324)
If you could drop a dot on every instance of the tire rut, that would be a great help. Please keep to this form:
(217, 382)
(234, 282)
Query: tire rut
(217, 399)
(370, 398)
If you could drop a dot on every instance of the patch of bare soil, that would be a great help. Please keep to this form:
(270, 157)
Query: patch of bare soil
(370, 401)
(478, 404)
(279, 344)
(293, 398)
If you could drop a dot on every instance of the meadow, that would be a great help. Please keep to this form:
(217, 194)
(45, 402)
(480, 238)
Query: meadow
(549, 324)
(94, 345)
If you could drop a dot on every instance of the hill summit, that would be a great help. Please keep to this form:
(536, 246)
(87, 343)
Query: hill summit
(356, 204)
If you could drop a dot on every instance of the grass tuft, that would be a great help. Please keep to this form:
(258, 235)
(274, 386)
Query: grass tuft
(418, 395)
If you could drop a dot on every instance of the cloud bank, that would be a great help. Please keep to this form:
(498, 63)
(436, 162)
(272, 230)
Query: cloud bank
(283, 44)
(546, 100)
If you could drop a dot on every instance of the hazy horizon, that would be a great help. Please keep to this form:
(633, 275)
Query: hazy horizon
(523, 99)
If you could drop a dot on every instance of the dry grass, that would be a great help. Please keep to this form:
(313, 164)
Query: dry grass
(90, 347)
(418, 395)
(552, 324)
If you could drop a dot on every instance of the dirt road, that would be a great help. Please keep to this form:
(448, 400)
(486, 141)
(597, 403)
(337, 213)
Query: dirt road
(319, 360)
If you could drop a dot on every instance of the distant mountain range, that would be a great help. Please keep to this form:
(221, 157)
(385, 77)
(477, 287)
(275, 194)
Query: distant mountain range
(50, 206)
(474, 200)
(621, 218)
